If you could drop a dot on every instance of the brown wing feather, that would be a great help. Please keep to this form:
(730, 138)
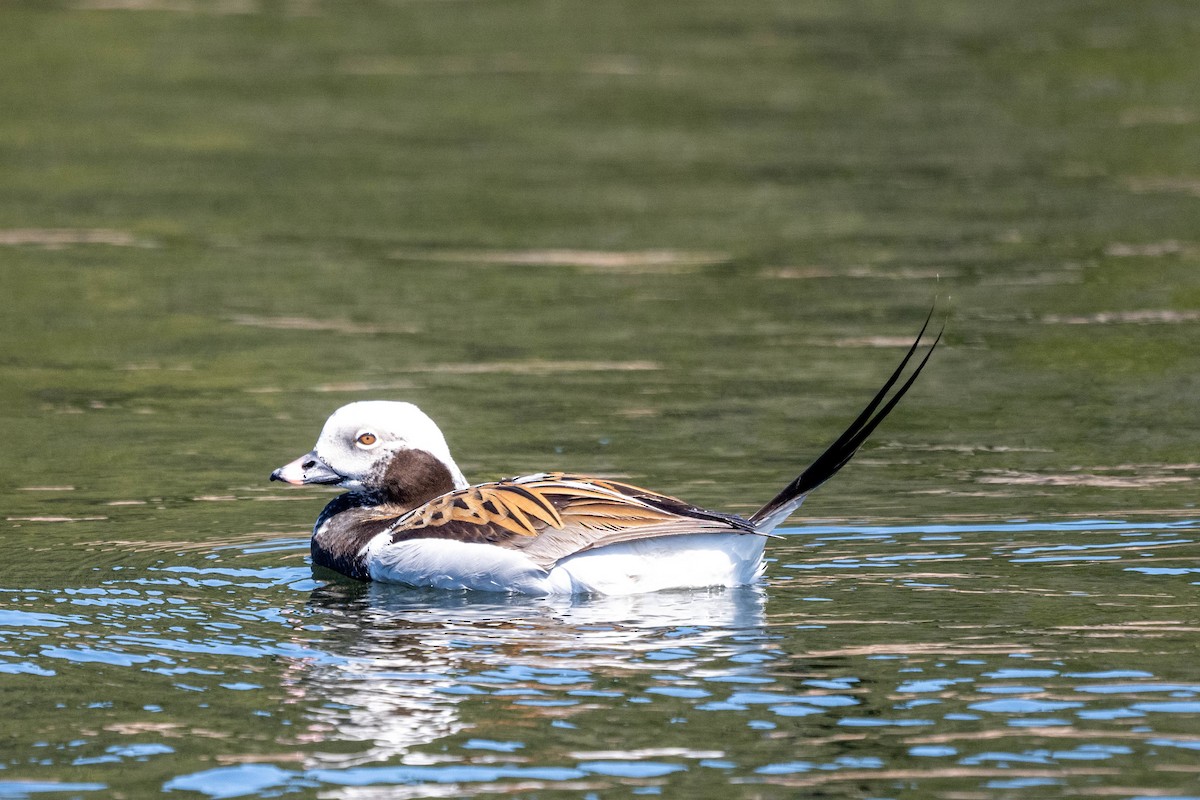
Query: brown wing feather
(549, 517)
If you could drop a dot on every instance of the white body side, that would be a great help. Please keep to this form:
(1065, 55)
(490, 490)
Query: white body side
(649, 565)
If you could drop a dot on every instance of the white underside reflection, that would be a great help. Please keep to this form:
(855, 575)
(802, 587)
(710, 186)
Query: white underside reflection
(409, 667)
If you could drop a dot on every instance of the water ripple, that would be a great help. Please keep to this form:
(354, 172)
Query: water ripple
(966, 654)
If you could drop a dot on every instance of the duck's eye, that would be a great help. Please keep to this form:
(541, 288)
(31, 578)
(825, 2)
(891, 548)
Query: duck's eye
(366, 439)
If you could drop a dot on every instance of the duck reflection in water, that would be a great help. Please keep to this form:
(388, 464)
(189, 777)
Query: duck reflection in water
(402, 668)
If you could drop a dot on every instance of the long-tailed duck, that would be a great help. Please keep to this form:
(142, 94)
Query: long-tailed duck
(411, 517)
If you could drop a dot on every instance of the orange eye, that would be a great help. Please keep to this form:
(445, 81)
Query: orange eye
(366, 439)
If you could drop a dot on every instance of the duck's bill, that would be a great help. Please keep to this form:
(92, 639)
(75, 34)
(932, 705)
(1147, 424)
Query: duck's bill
(308, 468)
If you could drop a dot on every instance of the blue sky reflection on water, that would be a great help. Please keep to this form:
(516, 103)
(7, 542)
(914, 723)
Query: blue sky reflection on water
(387, 687)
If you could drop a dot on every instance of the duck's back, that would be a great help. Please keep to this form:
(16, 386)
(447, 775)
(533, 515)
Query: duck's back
(564, 534)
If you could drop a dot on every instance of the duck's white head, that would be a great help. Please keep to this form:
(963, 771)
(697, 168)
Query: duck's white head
(379, 447)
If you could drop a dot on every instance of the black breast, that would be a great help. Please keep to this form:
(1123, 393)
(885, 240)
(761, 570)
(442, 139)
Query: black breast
(343, 530)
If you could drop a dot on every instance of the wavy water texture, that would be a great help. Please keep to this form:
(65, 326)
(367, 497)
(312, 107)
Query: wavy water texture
(430, 693)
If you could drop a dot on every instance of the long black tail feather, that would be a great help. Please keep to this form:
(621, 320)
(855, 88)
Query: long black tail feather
(838, 454)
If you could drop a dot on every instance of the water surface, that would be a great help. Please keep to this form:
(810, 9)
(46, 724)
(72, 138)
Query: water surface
(902, 660)
(676, 243)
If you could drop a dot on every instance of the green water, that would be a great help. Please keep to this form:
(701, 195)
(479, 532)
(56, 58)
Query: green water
(680, 243)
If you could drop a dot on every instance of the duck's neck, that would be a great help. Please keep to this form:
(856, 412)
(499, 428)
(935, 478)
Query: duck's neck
(414, 477)
(410, 480)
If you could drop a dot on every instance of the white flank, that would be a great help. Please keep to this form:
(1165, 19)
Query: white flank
(650, 565)
(667, 562)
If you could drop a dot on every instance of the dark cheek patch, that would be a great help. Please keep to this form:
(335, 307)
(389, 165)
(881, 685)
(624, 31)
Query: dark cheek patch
(414, 477)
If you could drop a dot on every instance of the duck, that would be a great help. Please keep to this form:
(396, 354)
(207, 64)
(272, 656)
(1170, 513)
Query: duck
(409, 515)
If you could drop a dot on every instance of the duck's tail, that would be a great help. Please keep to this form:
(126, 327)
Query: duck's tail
(838, 454)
